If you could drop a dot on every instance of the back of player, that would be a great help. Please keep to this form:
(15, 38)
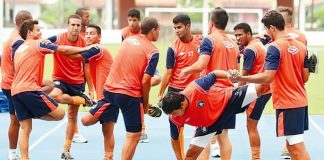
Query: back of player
(129, 66)
(224, 55)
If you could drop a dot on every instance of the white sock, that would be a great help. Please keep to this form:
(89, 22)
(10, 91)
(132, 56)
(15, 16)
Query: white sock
(12, 152)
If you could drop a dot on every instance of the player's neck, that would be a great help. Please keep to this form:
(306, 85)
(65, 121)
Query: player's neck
(280, 34)
(136, 30)
(186, 38)
(216, 30)
(72, 38)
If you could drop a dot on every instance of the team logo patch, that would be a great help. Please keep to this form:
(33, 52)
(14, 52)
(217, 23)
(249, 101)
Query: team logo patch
(293, 49)
(228, 44)
(200, 103)
(204, 129)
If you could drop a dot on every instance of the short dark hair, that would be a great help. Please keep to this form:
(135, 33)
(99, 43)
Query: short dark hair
(219, 17)
(289, 13)
(80, 11)
(275, 19)
(244, 26)
(98, 29)
(22, 16)
(133, 12)
(172, 101)
(73, 16)
(28, 25)
(148, 24)
(182, 18)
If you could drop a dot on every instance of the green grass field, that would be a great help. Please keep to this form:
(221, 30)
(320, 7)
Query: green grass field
(314, 87)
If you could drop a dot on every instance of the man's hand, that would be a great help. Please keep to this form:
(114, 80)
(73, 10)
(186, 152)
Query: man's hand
(184, 72)
(233, 75)
(145, 107)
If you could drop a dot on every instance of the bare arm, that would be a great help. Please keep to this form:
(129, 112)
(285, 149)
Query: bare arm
(197, 67)
(266, 77)
(244, 73)
(146, 87)
(176, 148)
(305, 75)
(68, 50)
(165, 82)
(88, 78)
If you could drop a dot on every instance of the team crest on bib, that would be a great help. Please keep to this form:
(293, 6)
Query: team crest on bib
(293, 49)
(200, 104)
(228, 44)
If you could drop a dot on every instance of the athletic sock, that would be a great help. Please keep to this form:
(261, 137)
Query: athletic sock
(67, 145)
(108, 156)
(255, 153)
(77, 100)
(12, 152)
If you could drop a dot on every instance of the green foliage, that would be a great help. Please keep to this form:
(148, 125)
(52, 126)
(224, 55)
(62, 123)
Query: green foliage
(319, 16)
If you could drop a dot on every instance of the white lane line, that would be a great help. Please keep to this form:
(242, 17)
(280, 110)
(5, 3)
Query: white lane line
(318, 128)
(47, 134)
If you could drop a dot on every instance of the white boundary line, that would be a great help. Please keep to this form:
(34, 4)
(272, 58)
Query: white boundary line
(47, 134)
(318, 128)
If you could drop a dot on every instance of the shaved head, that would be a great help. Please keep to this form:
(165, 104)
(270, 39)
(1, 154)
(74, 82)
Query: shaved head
(22, 16)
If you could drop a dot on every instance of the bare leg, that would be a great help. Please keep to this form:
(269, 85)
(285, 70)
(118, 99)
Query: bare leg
(70, 128)
(13, 132)
(254, 137)
(26, 127)
(56, 115)
(298, 151)
(225, 145)
(88, 119)
(130, 144)
(193, 152)
(109, 141)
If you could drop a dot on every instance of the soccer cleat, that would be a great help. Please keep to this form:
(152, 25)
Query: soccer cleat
(215, 151)
(66, 156)
(144, 138)
(285, 155)
(78, 138)
(313, 63)
(154, 111)
(88, 101)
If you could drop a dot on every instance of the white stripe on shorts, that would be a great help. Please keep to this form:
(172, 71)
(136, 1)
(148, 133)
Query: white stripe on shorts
(202, 141)
(250, 95)
(294, 139)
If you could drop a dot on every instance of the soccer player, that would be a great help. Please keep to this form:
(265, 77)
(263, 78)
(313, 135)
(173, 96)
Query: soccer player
(29, 101)
(7, 73)
(85, 19)
(286, 65)
(68, 77)
(100, 63)
(207, 106)
(218, 52)
(134, 28)
(129, 82)
(254, 56)
(287, 14)
(183, 52)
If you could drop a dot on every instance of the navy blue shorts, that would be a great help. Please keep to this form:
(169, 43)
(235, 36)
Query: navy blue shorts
(7, 92)
(174, 90)
(33, 104)
(255, 109)
(291, 121)
(130, 108)
(70, 89)
(232, 108)
(105, 112)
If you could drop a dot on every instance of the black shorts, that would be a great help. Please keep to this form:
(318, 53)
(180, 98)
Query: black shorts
(70, 89)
